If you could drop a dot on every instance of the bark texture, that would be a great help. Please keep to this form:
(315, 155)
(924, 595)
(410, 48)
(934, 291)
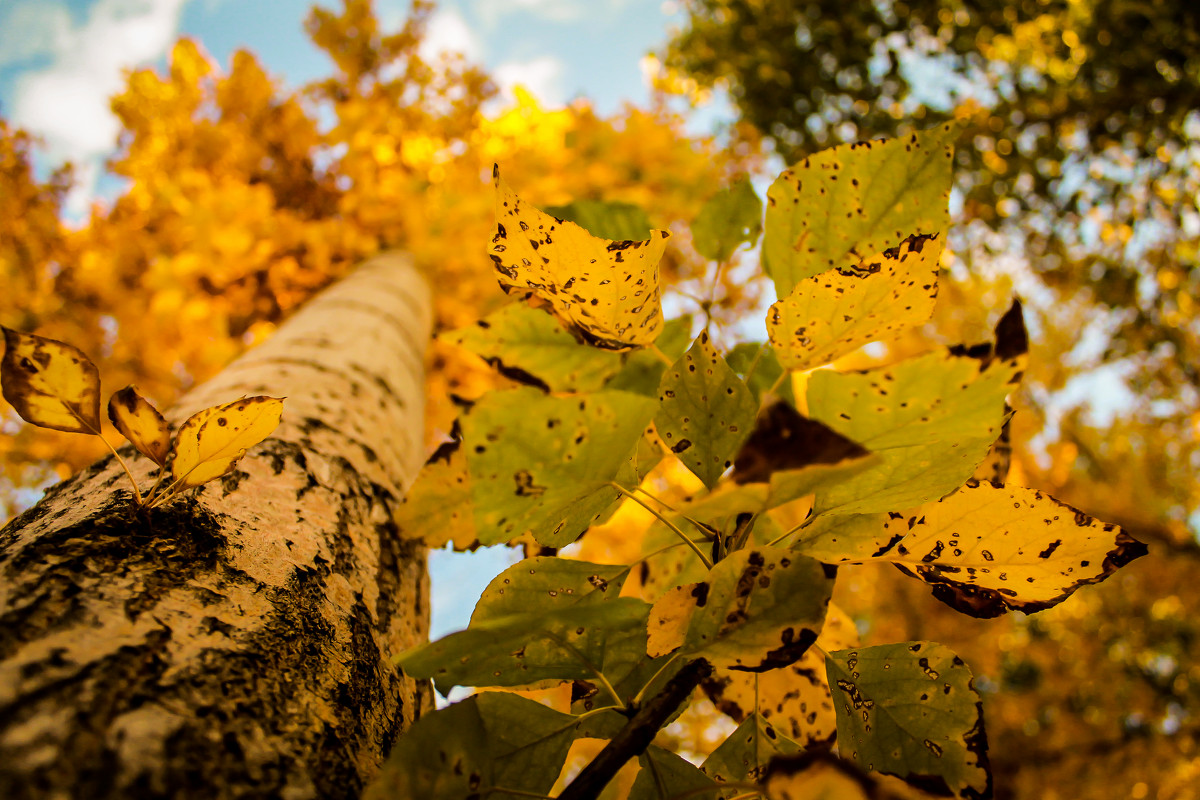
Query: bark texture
(236, 642)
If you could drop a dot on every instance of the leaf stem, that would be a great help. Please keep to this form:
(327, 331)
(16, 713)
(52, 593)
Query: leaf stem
(663, 357)
(695, 548)
(137, 493)
(783, 376)
(587, 662)
(789, 532)
(637, 700)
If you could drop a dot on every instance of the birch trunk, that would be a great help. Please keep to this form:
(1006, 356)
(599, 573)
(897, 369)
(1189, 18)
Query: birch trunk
(234, 643)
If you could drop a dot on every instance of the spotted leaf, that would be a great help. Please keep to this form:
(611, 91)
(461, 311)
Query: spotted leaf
(835, 207)
(834, 313)
(606, 291)
(706, 411)
(985, 549)
(437, 508)
(758, 609)
(543, 465)
(211, 441)
(910, 710)
(795, 699)
(549, 582)
(531, 347)
(744, 754)
(50, 383)
(931, 420)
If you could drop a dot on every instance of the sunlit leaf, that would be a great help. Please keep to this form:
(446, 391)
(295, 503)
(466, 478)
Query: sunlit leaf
(843, 204)
(50, 383)
(543, 465)
(910, 710)
(527, 345)
(607, 291)
(211, 441)
(796, 698)
(759, 609)
(518, 650)
(930, 420)
(834, 313)
(986, 549)
(706, 411)
(744, 754)
(815, 775)
(140, 423)
(728, 219)
(483, 745)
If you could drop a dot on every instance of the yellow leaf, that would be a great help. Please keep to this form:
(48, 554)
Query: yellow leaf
(212, 440)
(140, 423)
(606, 291)
(671, 616)
(832, 314)
(50, 383)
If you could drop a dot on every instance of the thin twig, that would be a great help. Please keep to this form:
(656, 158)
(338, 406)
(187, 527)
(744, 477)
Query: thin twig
(695, 548)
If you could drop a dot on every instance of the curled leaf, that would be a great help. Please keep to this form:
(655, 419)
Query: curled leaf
(50, 383)
(212, 440)
(606, 291)
(140, 423)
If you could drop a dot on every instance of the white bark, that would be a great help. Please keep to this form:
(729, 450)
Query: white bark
(234, 643)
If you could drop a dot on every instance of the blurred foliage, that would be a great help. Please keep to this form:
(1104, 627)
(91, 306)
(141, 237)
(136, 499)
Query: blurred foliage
(1079, 176)
(242, 199)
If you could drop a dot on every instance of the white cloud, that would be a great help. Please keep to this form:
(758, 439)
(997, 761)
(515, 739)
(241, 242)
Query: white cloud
(29, 30)
(542, 77)
(490, 11)
(449, 33)
(67, 102)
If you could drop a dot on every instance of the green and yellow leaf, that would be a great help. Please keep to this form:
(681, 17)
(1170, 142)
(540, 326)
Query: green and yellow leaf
(527, 345)
(795, 699)
(744, 754)
(543, 465)
(546, 583)
(50, 383)
(931, 420)
(664, 776)
(758, 609)
(607, 291)
(706, 411)
(211, 441)
(842, 204)
(139, 422)
(834, 313)
(910, 710)
(437, 508)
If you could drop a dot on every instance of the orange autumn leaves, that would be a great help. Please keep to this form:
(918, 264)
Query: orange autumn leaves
(53, 385)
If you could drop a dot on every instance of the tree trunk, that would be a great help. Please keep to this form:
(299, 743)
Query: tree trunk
(236, 642)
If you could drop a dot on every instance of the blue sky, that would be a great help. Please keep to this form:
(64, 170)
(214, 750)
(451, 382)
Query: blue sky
(61, 59)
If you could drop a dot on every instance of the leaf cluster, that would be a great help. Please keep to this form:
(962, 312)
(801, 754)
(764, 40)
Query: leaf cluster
(897, 464)
(54, 385)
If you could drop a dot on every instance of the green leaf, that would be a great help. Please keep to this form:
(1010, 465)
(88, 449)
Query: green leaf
(986, 549)
(834, 313)
(744, 754)
(759, 609)
(485, 744)
(549, 583)
(910, 710)
(542, 465)
(665, 776)
(758, 365)
(729, 218)
(930, 420)
(530, 346)
(643, 369)
(706, 411)
(522, 649)
(608, 220)
(795, 699)
(835, 207)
